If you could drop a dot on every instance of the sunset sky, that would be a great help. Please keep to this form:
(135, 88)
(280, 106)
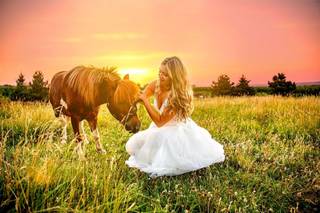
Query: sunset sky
(250, 37)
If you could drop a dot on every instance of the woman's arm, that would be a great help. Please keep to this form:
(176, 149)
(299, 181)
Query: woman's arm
(150, 89)
(157, 118)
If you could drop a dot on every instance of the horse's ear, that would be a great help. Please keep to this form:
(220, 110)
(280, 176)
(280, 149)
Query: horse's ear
(126, 77)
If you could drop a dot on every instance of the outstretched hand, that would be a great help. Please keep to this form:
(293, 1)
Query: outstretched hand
(142, 96)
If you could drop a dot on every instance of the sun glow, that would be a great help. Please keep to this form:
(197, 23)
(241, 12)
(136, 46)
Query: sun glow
(139, 75)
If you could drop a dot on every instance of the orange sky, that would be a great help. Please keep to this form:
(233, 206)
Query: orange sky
(255, 38)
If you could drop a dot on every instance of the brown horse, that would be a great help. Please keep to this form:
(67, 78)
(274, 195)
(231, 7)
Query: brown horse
(78, 93)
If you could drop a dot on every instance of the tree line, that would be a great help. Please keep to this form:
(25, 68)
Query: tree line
(37, 89)
(279, 85)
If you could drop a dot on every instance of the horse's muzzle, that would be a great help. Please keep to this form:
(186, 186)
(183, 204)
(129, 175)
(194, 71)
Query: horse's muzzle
(133, 129)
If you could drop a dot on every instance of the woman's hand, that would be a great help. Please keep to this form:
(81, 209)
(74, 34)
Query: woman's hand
(142, 96)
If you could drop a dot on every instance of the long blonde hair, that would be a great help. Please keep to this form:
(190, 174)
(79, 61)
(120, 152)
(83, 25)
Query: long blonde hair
(181, 96)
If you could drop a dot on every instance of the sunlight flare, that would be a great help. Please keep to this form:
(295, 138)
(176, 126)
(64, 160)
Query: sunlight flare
(139, 75)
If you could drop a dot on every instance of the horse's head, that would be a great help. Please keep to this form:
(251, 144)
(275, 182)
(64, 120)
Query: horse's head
(124, 107)
(131, 121)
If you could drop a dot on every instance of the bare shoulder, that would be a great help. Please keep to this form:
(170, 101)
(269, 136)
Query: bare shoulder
(150, 89)
(152, 85)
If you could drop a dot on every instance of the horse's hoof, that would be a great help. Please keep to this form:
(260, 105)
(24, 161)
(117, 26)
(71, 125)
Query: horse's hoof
(63, 141)
(102, 151)
(86, 142)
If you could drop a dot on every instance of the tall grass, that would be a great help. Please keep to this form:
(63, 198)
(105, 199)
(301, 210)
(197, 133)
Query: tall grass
(272, 162)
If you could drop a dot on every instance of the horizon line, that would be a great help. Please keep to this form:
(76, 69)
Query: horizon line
(300, 83)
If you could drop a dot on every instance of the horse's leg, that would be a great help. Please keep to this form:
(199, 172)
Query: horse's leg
(64, 123)
(76, 129)
(94, 130)
(86, 141)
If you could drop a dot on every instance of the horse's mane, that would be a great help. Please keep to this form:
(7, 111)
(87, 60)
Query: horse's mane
(85, 80)
(126, 91)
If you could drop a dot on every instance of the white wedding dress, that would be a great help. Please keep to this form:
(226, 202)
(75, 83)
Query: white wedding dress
(173, 149)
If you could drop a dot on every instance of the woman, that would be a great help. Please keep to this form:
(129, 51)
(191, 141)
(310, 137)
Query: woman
(173, 144)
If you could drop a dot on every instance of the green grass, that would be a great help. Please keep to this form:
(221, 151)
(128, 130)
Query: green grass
(272, 162)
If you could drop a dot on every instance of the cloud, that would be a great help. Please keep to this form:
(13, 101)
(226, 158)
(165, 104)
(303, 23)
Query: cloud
(131, 56)
(72, 40)
(118, 36)
(103, 37)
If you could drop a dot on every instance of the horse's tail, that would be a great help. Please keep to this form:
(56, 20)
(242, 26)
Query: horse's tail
(55, 92)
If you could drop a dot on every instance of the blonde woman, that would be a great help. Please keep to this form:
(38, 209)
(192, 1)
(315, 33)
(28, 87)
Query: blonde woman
(173, 144)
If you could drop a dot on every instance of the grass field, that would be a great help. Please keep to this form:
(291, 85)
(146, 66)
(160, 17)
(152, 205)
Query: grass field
(272, 162)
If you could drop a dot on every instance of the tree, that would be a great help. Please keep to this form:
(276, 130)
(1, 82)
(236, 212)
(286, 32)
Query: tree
(20, 92)
(223, 86)
(20, 81)
(8, 91)
(38, 87)
(243, 88)
(280, 86)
